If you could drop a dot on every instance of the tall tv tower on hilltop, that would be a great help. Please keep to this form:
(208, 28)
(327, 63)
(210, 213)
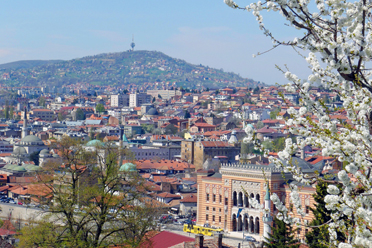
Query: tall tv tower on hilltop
(132, 45)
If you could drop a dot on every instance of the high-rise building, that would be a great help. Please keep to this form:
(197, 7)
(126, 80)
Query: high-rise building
(165, 94)
(120, 100)
(137, 99)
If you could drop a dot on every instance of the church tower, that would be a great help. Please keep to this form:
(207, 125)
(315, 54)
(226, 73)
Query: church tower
(267, 218)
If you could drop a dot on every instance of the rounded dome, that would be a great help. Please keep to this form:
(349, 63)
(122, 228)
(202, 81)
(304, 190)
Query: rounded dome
(19, 150)
(7, 166)
(95, 142)
(19, 169)
(44, 152)
(152, 111)
(34, 168)
(31, 138)
(27, 166)
(128, 167)
(12, 166)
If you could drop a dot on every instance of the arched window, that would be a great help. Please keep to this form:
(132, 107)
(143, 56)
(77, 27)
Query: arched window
(234, 222)
(246, 223)
(240, 223)
(258, 198)
(234, 199)
(240, 199)
(246, 202)
(252, 197)
(251, 225)
(257, 226)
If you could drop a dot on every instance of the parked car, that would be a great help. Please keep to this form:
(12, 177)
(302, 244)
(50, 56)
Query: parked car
(249, 238)
(20, 203)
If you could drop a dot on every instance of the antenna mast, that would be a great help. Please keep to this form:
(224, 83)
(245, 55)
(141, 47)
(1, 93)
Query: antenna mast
(132, 44)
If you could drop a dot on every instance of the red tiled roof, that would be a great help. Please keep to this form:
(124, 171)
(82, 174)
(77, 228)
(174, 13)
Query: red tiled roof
(166, 239)
(266, 129)
(215, 144)
(190, 199)
(168, 195)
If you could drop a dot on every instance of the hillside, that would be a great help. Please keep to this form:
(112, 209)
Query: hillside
(121, 68)
(26, 64)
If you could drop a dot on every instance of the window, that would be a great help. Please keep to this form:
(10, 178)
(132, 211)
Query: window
(307, 209)
(306, 231)
(207, 208)
(214, 209)
(219, 218)
(213, 218)
(206, 217)
(299, 231)
(207, 197)
(291, 207)
(214, 198)
(226, 201)
(220, 210)
(220, 199)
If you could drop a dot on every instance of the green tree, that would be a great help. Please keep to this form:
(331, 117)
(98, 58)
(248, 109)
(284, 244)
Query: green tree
(187, 115)
(80, 114)
(318, 237)
(60, 116)
(278, 144)
(98, 204)
(6, 110)
(35, 157)
(42, 101)
(282, 236)
(171, 129)
(100, 108)
(256, 90)
(268, 144)
(274, 113)
(259, 125)
(148, 128)
(159, 96)
(156, 131)
(153, 100)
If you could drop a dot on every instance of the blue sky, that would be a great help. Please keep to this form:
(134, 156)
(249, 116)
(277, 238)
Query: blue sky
(204, 32)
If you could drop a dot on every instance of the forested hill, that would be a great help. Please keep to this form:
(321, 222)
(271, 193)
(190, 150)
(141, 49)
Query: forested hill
(120, 68)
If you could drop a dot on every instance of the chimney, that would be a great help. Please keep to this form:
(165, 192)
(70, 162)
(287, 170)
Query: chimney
(218, 240)
(199, 240)
(302, 153)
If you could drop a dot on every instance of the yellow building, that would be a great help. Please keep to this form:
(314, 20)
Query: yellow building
(221, 195)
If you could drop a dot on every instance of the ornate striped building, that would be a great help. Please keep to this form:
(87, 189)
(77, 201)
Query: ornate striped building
(223, 197)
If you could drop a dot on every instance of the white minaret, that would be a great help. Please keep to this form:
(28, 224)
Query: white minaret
(267, 219)
(24, 128)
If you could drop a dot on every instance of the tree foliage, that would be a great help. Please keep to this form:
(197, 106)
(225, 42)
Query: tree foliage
(91, 203)
(187, 115)
(170, 129)
(42, 101)
(274, 113)
(282, 236)
(318, 237)
(100, 108)
(80, 114)
(335, 39)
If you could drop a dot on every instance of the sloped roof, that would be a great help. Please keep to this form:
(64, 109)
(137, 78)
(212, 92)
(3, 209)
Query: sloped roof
(266, 129)
(166, 239)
